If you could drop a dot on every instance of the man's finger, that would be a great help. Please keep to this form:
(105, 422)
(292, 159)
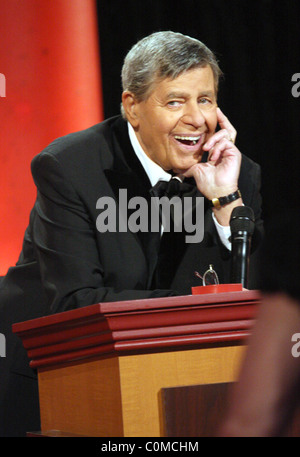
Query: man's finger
(226, 124)
(217, 137)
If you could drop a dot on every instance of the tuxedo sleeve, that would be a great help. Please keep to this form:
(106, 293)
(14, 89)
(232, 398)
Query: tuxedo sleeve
(64, 239)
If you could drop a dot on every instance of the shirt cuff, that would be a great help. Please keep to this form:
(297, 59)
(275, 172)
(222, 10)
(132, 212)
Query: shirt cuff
(224, 232)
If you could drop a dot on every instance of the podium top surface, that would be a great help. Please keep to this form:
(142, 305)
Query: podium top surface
(127, 327)
(155, 304)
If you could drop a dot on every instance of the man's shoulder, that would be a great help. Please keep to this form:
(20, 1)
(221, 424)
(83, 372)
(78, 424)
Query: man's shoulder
(82, 146)
(89, 137)
(248, 162)
(249, 168)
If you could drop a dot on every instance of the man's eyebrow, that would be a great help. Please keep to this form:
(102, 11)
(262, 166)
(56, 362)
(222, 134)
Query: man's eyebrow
(182, 94)
(177, 95)
(208, 93)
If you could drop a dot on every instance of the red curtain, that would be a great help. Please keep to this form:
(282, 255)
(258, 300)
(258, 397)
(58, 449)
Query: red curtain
(50, 59)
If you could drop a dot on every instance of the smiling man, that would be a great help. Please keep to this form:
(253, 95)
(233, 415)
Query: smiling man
(170, 84)
(171, 135)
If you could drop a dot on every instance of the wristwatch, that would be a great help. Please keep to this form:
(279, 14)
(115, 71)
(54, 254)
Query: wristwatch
(222, 201)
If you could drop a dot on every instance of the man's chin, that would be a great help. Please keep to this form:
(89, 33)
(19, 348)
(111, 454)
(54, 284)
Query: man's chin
(183, 170)
(179, 171)
(182, 166)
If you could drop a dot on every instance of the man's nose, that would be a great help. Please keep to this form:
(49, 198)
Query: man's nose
(194, 115)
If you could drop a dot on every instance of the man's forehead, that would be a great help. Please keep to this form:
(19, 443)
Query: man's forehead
(200, 79)
(169, 85)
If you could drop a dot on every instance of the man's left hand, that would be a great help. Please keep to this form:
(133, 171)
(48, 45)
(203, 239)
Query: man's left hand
(219, 175)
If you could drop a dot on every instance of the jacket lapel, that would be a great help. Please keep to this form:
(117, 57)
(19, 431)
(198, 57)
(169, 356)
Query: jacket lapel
(127, 174)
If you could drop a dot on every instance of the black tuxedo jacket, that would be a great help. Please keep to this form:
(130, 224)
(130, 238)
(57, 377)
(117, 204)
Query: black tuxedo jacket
(66, 262)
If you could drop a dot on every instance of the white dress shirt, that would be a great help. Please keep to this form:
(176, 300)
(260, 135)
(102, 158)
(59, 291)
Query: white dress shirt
(156, 173)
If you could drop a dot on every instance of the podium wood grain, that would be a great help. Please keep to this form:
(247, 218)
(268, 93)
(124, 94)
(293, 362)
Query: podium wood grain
(78, 398)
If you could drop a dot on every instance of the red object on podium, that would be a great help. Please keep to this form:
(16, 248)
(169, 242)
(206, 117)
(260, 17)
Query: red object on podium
(217, 288)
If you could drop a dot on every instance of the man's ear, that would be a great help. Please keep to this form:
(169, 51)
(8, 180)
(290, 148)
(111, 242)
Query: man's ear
(130, 106)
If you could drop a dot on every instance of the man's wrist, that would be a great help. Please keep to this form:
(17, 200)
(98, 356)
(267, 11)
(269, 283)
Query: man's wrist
(219, 202)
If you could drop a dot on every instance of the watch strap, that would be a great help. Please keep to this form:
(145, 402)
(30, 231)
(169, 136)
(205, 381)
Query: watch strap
(222, 201)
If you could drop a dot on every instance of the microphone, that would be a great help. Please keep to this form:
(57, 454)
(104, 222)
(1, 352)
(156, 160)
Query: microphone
(242, 224)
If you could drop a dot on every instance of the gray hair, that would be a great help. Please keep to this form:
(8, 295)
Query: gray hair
(164, 55)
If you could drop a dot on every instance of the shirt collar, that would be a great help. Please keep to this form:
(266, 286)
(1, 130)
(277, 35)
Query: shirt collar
(154, 172)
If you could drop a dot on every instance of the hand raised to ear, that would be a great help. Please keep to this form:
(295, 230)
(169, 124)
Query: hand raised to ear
(218, 176)
(227, 131)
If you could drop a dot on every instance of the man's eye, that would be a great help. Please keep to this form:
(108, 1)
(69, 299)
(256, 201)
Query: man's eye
(204, 101)
(174, 103)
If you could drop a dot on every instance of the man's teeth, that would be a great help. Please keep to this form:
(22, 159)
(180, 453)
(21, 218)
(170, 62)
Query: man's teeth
(193, 139)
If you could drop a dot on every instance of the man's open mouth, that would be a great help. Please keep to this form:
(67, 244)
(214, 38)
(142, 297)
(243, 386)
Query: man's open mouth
(187, 140)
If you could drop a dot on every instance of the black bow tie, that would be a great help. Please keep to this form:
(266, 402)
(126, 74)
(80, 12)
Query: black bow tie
(175, 187)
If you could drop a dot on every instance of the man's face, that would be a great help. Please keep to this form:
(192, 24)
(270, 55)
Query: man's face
(177, 118)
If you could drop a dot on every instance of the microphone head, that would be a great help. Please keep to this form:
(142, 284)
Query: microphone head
(242, 219)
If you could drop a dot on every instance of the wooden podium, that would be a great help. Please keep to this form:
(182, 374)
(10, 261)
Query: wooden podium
(102, 369)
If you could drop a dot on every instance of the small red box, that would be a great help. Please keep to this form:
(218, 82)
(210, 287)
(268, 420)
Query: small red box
(216, 288)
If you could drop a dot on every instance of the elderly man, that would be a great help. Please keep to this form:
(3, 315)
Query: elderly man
(167, 129)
